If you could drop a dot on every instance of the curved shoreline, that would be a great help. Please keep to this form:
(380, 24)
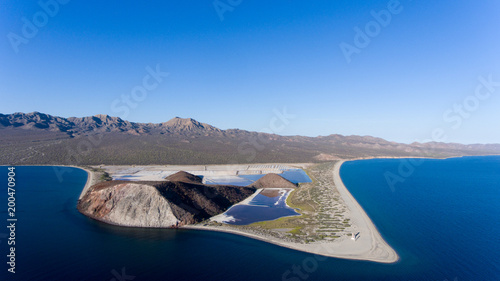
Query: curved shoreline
(88, 184)
(370, 245)
(379, 248)
(91, 180)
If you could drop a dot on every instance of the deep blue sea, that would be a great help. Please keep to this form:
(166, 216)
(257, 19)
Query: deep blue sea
(443, 220)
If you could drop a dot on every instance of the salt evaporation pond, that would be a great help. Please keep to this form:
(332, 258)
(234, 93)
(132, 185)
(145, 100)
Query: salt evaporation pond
(293, 175)
(269, 204)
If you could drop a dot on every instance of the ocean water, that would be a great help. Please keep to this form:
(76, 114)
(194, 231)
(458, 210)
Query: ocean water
(443, 221)
(444, 217)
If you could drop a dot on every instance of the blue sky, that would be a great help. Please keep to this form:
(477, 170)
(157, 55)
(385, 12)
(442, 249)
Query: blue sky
(235, 68)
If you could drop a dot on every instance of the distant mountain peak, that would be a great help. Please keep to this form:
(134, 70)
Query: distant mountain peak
(102, 116)
(35, 120)
(187, 124)
(104, 123)
(181, 120)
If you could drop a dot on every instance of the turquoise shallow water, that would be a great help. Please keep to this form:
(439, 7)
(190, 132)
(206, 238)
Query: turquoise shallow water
(443, 221)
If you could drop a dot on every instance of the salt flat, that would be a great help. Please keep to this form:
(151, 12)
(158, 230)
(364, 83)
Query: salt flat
(210, 173)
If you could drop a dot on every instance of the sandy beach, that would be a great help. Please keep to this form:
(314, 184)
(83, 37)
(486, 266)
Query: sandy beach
(368, 246)
(91, 180)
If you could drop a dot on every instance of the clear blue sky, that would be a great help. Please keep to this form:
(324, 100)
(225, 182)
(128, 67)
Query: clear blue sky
(263, 55)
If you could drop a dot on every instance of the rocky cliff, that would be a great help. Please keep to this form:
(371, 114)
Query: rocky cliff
(158, 204)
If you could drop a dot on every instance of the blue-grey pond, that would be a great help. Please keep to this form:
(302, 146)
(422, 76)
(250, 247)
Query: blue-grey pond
(269, 204)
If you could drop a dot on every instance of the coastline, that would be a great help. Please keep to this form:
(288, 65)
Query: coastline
(370, 245)
(90, 181)
(222, 217)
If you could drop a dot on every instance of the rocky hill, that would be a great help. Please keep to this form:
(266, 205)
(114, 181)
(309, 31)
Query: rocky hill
(158, 204)
(272, 180)
(185, 177)
(38, 138)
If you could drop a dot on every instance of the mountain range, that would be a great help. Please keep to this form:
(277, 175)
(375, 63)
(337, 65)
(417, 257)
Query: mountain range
(38, 138)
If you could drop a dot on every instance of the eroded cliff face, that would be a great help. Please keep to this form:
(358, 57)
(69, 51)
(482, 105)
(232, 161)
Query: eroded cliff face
(158, 204)
(129, 204)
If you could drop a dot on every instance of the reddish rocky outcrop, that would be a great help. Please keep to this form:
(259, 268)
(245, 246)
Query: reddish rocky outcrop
(186, 177)
(273, 181)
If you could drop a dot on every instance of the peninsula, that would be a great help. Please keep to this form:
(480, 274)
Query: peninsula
(325, 228)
